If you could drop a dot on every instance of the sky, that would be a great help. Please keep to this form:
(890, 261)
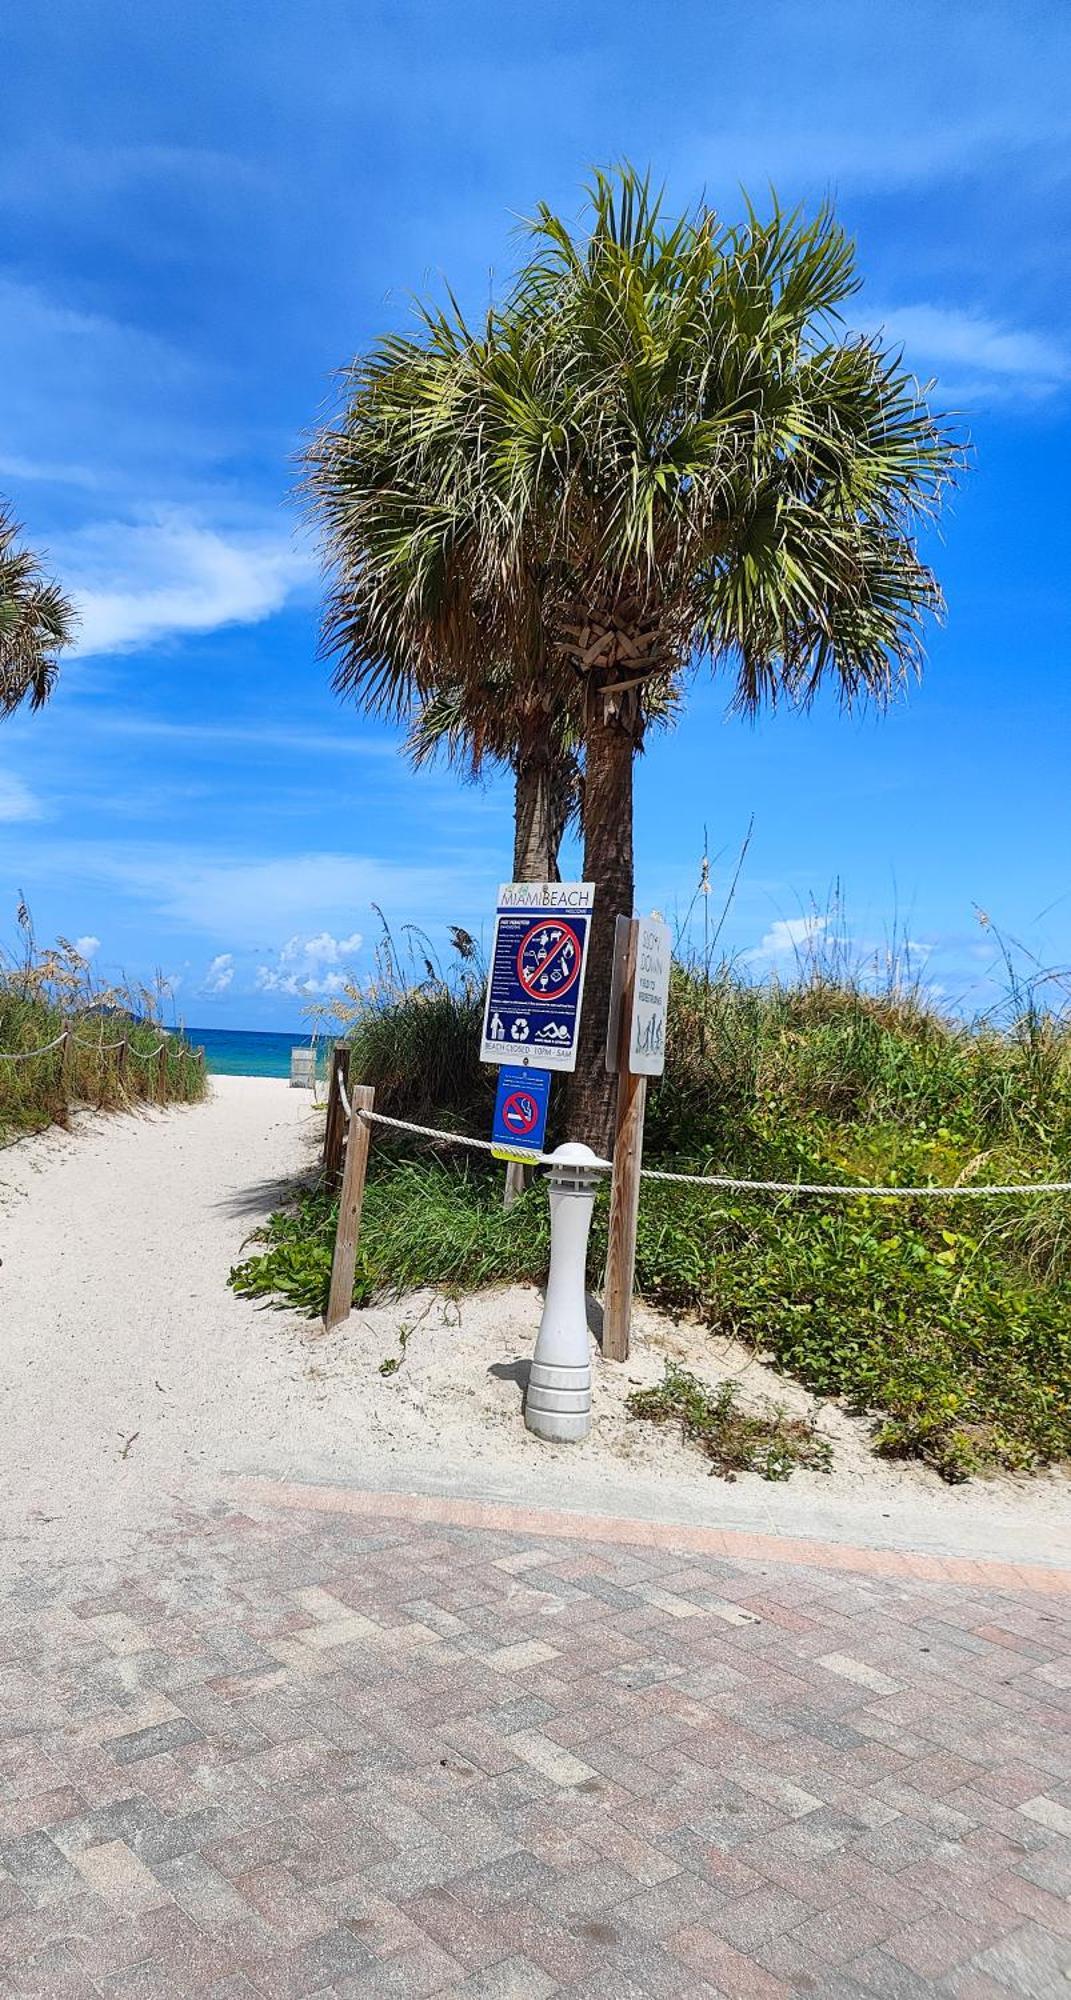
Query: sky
(206, 211)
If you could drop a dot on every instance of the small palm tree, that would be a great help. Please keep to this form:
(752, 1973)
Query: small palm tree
(663, 448)
(36, 623)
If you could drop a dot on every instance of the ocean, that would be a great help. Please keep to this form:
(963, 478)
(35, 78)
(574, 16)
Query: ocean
(246, 1051)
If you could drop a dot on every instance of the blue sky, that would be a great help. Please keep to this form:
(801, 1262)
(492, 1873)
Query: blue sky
(207, 210)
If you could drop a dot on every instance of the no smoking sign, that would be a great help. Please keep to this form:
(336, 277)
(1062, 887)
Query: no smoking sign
(520, 1122)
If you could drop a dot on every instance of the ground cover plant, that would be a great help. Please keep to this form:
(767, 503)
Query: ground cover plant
(45, 991)
(948, 1322)
(735, 1440)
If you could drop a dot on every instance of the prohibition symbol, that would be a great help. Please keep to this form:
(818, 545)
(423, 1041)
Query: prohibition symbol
(549, 958)
(520, 1113)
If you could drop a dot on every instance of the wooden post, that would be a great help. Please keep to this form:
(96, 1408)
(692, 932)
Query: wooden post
(122, 1053)
(66, 1048)
(515, 1182)
(161, 1071)
(335, 1126)
(625, 1186)
(358, 1140)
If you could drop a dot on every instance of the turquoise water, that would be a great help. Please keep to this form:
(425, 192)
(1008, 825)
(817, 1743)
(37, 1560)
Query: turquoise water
(246, 1051)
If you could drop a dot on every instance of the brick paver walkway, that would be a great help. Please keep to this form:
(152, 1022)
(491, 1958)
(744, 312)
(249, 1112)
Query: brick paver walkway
(359, 1749)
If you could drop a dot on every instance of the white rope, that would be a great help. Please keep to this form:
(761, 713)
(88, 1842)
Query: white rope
(839, 1187)
(24, 1055)
(729, 1181)
(344, 1095)
(100, 1048)
(462, 1139)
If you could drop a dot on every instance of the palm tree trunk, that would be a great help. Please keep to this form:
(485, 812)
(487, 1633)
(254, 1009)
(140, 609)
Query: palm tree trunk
(535, 832)
(611, 744)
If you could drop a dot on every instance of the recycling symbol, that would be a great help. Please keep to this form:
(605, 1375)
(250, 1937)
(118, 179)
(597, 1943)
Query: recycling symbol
(519, 1030)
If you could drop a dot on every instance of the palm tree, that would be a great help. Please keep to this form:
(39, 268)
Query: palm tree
(473, 723)
(663, 448)
(403, 604)
(477, 722)
(36, 622)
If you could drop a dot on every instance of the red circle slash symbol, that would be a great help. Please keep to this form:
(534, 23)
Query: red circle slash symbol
(520, 1113)
(549, 958)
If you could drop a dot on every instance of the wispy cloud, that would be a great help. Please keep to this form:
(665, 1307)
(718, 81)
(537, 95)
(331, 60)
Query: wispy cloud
(17, 802)
(247, 902)
(249, 736)
(98, 397)
(87, 947)
(174, 575)
(972, 354)
(85, 174)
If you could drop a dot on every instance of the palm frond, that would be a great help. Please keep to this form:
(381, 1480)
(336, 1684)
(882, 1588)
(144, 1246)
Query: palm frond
(36, 622)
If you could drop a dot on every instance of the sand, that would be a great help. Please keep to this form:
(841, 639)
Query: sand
(134, 1380)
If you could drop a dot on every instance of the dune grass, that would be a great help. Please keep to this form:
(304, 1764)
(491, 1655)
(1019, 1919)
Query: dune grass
(45, 992)
(948, 1322)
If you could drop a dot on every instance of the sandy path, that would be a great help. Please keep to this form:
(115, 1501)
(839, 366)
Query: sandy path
(117, 1321)
(131, 1377)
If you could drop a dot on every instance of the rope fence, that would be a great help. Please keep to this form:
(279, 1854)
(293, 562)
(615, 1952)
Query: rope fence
(99, 1048)
(351, 1118)
(26, 1055)
(734, 1182)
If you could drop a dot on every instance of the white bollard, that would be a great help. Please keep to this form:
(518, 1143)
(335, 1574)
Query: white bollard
(558, 1404)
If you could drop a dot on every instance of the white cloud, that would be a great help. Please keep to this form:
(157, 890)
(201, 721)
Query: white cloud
(133, 585)
(311, 966)
(220, 973)
(87, 947)
(16, 799)
(315, 985)
(786, 937)
(323, 949)
(972, 354)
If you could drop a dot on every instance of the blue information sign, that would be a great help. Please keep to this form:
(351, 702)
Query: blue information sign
(532, 1014)
(520, 1113)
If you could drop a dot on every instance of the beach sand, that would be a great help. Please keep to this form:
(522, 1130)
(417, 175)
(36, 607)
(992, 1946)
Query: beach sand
(134, 1379)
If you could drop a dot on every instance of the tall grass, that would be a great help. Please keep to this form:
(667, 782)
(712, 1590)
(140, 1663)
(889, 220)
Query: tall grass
(44, 992)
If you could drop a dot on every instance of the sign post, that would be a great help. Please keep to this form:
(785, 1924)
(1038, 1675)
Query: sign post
(536, 984)
(636, 1049)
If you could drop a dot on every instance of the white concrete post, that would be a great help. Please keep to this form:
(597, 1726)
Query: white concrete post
(558, 1404)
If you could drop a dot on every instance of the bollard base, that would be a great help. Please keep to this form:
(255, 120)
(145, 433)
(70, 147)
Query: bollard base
(558, 1426)
(558, 1404)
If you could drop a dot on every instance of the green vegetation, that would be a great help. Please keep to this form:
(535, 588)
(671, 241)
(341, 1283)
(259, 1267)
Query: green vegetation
(948, 1322)
(733, 1439)
(45, 991)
